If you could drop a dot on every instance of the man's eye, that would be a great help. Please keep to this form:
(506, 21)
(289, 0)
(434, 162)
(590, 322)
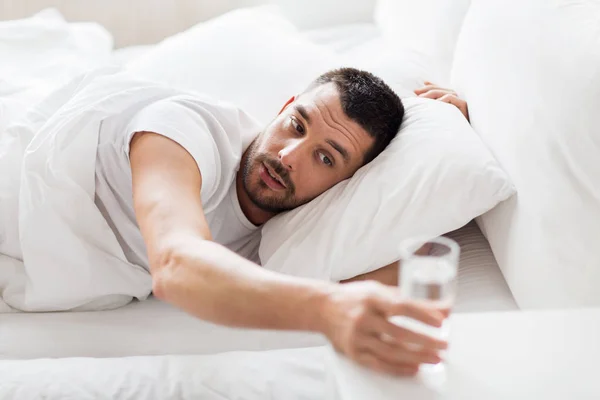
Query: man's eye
(299, 128)
(325, 160)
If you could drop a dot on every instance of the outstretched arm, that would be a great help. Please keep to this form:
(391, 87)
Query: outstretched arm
(191, 271)
(207, 280)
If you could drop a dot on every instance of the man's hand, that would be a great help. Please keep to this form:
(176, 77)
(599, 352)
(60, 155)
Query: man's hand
(356, 322)
(432, 91)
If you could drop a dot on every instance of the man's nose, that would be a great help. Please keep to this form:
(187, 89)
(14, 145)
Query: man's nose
(290, 153)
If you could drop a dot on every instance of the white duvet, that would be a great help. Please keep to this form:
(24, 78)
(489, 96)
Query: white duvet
(47, 201)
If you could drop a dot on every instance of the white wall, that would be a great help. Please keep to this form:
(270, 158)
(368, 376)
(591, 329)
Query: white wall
(134, 22)
(130, 21)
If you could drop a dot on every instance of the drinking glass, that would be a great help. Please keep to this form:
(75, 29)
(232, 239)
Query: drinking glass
(428, 274)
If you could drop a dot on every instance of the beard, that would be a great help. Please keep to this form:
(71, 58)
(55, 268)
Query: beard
(259, 193)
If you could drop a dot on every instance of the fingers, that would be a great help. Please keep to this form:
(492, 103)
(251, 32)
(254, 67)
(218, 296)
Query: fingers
(387, 303)
(418, 311)
(425, 249)
(369, 360)
(435, 93)
(399, 353)
(445, 311)
(426, 88)
(399, 334)
(456, 101)
(432, 91)
(364, 333)
(451, 99)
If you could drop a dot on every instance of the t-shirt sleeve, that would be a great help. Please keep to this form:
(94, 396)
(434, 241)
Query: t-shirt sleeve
(186, 127)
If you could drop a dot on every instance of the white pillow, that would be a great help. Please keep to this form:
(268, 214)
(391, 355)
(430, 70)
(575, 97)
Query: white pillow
(252, 57)
(530, 71)
(435, 176)
(41, 53)
(311, 14)
(430, 27)
(403, 69)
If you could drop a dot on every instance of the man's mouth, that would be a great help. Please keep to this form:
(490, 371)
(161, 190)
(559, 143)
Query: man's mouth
(271, 178)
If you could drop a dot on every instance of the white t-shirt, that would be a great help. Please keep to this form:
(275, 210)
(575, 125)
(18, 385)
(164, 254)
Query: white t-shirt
(215, 134)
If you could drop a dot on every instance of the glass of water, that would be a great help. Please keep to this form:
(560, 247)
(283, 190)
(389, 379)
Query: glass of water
(428, 274)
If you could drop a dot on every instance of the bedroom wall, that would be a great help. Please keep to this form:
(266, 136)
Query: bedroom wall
(132, 22)
(136, 22)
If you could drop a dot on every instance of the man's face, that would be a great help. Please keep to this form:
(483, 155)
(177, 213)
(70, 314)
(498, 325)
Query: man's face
(311, 146)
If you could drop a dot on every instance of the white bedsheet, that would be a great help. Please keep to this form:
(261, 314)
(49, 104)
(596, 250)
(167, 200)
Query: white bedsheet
(150, 327)
(297, 374)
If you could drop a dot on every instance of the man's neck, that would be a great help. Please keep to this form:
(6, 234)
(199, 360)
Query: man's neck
(254, 214)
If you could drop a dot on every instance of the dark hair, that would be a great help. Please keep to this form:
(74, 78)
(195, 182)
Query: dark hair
(369, 101)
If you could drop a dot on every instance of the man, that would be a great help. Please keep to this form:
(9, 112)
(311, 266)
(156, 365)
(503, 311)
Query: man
(202, 183)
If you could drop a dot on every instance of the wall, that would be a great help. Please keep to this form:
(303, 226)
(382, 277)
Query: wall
(130, 21)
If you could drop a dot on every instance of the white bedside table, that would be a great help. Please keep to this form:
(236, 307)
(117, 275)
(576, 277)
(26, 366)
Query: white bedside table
(502, 355)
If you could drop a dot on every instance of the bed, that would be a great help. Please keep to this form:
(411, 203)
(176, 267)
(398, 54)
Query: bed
(149, 349)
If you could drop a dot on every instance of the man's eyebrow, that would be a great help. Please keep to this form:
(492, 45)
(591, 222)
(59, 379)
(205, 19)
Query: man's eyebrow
(339, 149)
(302, 111)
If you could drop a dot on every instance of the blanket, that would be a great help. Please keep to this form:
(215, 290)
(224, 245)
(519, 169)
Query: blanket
(57, 251)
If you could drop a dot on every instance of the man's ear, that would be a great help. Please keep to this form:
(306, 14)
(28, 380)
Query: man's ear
(290, 101)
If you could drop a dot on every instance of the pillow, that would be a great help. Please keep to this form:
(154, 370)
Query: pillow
(403, 69)
(362, 46)
(122, 56)
(251, 57)
(312, 14)
(434, 177)
(534, 97)
(430, 27)
(343, 38)
(40, 54)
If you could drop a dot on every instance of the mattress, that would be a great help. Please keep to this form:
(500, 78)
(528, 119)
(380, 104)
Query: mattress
(481, 285)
